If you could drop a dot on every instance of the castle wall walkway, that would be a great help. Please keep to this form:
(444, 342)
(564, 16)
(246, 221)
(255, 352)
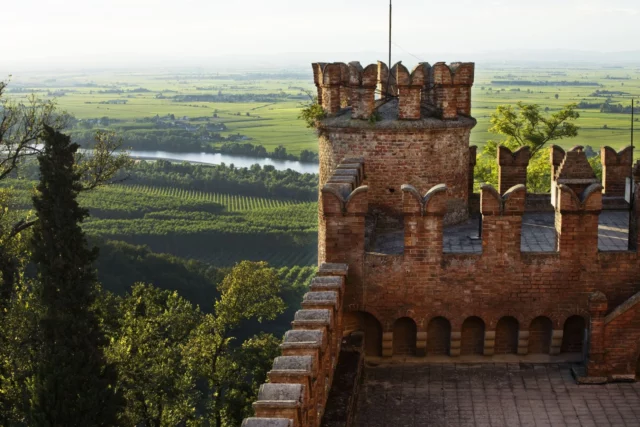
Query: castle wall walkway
(538, 235)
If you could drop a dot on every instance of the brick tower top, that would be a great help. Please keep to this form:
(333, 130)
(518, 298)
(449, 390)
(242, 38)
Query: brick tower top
(410, 127)
(440, 91)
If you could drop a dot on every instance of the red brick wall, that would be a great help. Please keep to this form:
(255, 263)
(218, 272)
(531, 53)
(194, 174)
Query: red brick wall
(616, 167)
(620, 347)
(501, 281)
(472, 336)
(404, 337)
(573, 335)
(438, 336)
(512, 167)
(422, 157)
(507, 336)
(540, 335)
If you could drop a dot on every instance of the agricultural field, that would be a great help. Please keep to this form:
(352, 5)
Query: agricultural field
(219, 229)
(270, 121)
(263, 109)
(587, 85)
(256, 215)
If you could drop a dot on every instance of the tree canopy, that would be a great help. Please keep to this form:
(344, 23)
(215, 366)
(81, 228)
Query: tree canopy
(524, 125)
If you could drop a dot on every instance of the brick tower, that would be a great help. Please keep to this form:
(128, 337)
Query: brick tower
(553, 277)
(417, 133)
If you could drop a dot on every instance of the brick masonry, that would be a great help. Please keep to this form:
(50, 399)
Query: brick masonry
(409, 166)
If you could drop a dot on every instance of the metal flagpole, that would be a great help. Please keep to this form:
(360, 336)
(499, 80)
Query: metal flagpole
(631, 183)
(389, 75)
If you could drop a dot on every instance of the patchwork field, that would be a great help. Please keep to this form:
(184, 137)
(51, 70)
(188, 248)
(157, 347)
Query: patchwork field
(219, 229)
(264, 108)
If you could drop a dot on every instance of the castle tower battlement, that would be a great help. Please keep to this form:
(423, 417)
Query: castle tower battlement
(416, 133)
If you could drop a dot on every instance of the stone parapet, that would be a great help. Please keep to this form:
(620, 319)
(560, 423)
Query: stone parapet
(300, 379)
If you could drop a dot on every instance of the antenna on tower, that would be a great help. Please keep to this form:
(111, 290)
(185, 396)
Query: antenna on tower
(631, 183)
(389, 76)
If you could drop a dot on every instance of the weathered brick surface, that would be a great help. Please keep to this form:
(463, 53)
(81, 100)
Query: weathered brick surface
(472, 336)
(409, 91)
(512, 167)
(541, 292)
(575, 170)
(301, 378)
(615, 338)
(396, 156)
(616, 168)
(507, 336)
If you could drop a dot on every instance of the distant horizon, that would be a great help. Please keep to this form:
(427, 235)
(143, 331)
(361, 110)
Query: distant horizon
(39, 34)
(299, 61)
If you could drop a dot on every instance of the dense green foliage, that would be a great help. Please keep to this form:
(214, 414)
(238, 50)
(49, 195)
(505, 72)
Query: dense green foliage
(311, 112)
(121, 265)
(166, 362)
(177, 365)
(171, 362)
(70, 352)
(525, 126)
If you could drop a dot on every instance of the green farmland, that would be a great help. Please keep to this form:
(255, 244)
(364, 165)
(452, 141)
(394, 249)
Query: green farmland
(219, 229)
(274, 122)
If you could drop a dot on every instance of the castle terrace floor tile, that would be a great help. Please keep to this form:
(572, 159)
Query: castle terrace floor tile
(498, 394)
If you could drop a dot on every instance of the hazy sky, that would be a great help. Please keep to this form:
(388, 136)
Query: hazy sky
(117, 30)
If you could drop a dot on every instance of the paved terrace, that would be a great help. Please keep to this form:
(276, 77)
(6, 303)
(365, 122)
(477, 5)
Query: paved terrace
(538, 235)
(491, 395)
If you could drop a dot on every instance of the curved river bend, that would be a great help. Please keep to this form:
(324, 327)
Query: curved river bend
(218, 158)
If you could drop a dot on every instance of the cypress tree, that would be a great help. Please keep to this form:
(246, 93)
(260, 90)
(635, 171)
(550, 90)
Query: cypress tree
(73, 386)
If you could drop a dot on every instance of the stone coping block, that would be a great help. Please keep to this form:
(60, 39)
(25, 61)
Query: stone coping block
(302, 364)
(333, 269)
(301, 338)
(320, 298)
(351, 166)
(267, 422)
(343, 179)
(313, 315)
(358, 160)
(281, 392)
(312, 318)
(326, 283)
(346, 172)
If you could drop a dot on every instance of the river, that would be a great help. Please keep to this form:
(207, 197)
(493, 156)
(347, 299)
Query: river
(218, 158)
